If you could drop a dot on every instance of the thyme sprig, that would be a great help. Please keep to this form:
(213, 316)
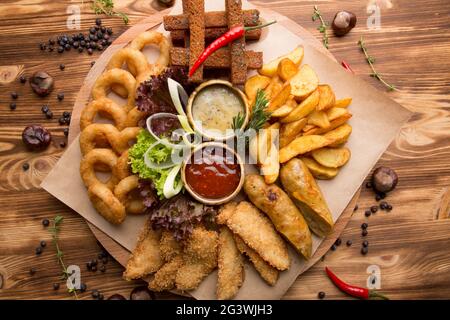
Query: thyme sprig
(323, 26)
(107, 7)
(54, 231)
(371, 61)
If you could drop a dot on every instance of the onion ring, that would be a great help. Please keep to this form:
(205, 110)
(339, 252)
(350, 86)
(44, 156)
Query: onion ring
(106, 203)
(115, 76)
(104, 156)
(106, 108)
(136, 63)
(122, 166)
(123, 192)
(153, 37)
(134, 117)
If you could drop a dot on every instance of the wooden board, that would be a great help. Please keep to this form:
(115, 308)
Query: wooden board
(409, 244)
(115, 249)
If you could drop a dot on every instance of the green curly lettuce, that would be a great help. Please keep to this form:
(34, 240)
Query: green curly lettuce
(158, 154)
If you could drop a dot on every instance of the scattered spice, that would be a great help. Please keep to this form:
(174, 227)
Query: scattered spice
(62, 66)
(321, 295)
(373, 209)
(365, 243)
(353, 291)
(23, 79)
(56, 286)
(349, 243)
(14, 95)
(33, 271)
(323, 26)
(368, 213)
(364, 250)
(364, 226)
(364, 232)
(25, 166)
(371, 61)
(43, 244)
(38, 251)
(12, 106)
(45, 222)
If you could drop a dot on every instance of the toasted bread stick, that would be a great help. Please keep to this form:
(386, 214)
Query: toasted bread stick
(237, 47)
(214, 33)
(197, 35)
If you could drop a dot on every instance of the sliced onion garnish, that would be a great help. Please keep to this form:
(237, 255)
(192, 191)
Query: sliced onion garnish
(185, 124)
(170, 190)
(154, 165)
(176, 91)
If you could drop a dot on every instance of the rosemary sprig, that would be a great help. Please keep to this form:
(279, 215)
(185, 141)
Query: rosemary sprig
(323, 26)
(259, 115)
(54, 231)
(107, 7)
(371, 61)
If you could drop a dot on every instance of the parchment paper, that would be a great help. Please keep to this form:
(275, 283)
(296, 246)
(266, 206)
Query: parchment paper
(376, 121)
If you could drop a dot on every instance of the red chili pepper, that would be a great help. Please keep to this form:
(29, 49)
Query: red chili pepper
(223, 40)
(358, 292)
(347, 66)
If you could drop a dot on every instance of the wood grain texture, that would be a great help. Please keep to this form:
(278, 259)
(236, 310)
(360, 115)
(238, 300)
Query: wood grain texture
(410, 244)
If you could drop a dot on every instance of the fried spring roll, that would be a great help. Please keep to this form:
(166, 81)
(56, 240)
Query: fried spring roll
(238, 62)
(287, 219)
(197, 36)
(218, 60)
(304, 191)
(213, 19)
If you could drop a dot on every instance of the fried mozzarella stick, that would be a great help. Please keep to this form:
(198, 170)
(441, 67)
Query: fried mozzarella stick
(146, 256)
(199, 259)
(231, 266)
(257, 232)
(265, 270)
(288, 220)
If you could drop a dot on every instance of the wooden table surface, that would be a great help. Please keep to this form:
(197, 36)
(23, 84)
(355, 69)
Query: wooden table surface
(410, 244)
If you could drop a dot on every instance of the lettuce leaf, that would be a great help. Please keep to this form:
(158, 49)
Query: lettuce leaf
(158, 154)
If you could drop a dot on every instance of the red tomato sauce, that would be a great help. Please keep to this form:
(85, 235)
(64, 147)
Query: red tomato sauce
(213, 176)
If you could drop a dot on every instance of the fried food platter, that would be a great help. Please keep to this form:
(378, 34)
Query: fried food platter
(120, 253)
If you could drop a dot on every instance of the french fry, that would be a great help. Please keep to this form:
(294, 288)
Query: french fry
(343, 103)
(274, 87)
(270, 69)
(331, 157)
(335, 113)
(302, 145)
(319, 171)
(333, 124)
(327, 98)
(253, 84)
(290, 131)
(280, 99)
(319, 119)
(304, 82)
(287, 69)
(303, 109)
(338, 135)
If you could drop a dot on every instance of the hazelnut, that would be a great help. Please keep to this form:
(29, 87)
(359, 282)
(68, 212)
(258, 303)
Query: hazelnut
(41, 83)
(343, 22)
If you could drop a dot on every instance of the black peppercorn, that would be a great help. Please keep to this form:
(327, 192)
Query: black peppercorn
(98, 22)
(103, 268)
(12, 106)
(66, 131)
(95, 294)
(32, 271)
(333, 247)
(105, 260)
(364, 226)
(45, 108)
(99, 47)
(356, 208)
(321, 295)
(89, 265)
(60, 49)
(67, 47)
(389, 207)
(62, 66)
(14, 95)
(62, 144)
(83, 287)
(367, 213)
(23, 79)
(364, 250)
(109, 31)
(51, 41)
(60, 96)
(92, 30)
(349, 243)
(76, 44)
(94, 269)
(338, 242)
(49, 115)
(55, 286)
(80, 49)
(364, 232)
(61, 121)
(38, 251)
(45, 222)
(25, 166)
(369, 185)
(90, 51)
(373, 209)
(365, 243)
(43, 244)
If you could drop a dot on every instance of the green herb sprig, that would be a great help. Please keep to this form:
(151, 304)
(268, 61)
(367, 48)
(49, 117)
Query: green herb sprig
(259, 115)
(371, 61)
(54, 231)
(107, 7)
(323, 26)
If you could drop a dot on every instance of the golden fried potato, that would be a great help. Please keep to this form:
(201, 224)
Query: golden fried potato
(303, 109)
(338, 135)
(288, 220)
(302, 145)
(333, 124)
(319, 171)
(285, 109)
(280, 99)
(331, 157)
(304, 82)
(290, 131)
(270, 69)
(319, 119)
(334, 113)
(327, 97)
(304, 191)
(253, 84)
(270, 166)
(274, 87)
(308, 127)
(343, 103)
(287, 69)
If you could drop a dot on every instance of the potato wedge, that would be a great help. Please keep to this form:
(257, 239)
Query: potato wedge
(308, 127)
(319, 171)
(302, 145)
(303, 109)
(319, 119)
(338, 135)
(287, 69)
(335, 113)
(282, 111)
(331, 157)
(343, 103)
(274, 87)
(280, 99)
(270, 166)
(327, 97)
(304, 82)
(270, 69)
(290, 131)
(253, 84)
(333, 124)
